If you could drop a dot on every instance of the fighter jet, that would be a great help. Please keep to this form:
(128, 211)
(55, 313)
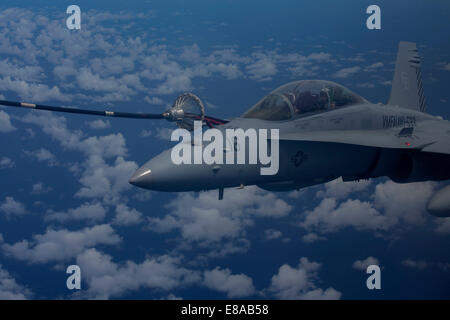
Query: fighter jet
(324, 132)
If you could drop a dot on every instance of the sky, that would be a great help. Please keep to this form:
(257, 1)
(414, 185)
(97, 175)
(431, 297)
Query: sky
(64, 192)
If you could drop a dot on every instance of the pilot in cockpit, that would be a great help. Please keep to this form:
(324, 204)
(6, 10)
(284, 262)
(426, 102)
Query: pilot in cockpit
(308, 101)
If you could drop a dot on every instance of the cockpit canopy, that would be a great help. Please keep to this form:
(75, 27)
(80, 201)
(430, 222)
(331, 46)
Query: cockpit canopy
(301, 98)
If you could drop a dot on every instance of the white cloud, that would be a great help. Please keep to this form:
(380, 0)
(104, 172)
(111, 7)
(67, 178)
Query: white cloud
(108, 279)
(191, 53)
(10, 289)
(28, 73)
(43, 155)
(366, 85)
(346, 72)
(234, 285)
(99, 179)
(391, 206)
(263, 69)
(40, 188)
(153, 100)
(339, 189)
(87, 80)
(5, 123)
(126, 216)
(374, 66)
(179, 82)
(300, 283)
(445, 66)
(212, 220)
(229, 71)
(319, 56)
(164, 133)
(145, 133)
(91, 212)
(312, 237)
(11, 207)
(271, 234)
(98, 124)
(329, 216)
(34, 92)
(6, 163)
(415, 264)
(403, 204)
(363, 264)
(61, 245)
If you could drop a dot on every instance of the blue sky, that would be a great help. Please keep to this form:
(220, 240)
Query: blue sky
(64, 192)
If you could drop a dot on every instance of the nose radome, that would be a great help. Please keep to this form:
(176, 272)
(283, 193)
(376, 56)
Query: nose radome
(141, 177)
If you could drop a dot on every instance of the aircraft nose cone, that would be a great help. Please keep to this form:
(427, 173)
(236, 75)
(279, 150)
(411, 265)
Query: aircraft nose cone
(141, 177)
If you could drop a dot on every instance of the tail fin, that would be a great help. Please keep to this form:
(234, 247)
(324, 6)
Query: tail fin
(407, 90)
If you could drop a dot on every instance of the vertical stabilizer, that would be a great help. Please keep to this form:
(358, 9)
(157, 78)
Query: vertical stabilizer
(407, 90)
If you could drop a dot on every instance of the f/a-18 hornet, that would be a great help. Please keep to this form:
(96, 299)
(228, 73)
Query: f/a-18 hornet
(323, 130)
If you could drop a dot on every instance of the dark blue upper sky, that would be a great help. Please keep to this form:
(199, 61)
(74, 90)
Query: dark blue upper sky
(64, 192)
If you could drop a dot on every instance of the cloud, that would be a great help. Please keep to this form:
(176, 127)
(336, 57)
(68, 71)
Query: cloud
(319, 56)
(40, 188)
(271, 234)
(164, 133)
(262, 69)
(390, 206)
(363, 264)
(445, 66)
(99, 179)
(126, 216)
(113, 65)
(300, 283)
(60, 245)
(34, 92)
(98, 124)
(231, 71)
(312, 237)
(153, 100)
(330, 216)
(5, 123)
(403, 204)
(106, 278)
(234, 285)
(87, 80)
(145, 133)
(415, 264)
(29, 73)
(191, 53)
(178, 82)
(91, 212)
(374, 66)
(43, 155)
(212, 220)
(10, 289)
(346, 72)
(339, 189)
(11, 207)
(365, 85)
(6, 163)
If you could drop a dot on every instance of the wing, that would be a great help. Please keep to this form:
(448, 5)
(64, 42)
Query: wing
(427, 136)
